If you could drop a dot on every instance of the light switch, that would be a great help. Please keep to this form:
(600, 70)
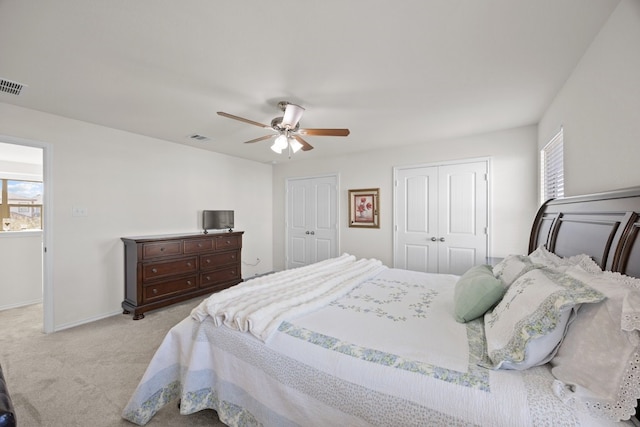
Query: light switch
(79, 211)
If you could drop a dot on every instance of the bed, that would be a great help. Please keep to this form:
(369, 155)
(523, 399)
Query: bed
(547, 338)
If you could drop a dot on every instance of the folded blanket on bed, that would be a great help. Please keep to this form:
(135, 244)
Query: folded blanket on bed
(260, 305)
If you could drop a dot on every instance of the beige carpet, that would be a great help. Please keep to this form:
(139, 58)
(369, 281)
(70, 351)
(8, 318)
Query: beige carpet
(84, 376)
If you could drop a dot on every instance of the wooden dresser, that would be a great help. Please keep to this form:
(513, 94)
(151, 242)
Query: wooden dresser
(163, 270)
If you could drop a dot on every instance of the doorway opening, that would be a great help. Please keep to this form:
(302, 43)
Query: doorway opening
(25, 174)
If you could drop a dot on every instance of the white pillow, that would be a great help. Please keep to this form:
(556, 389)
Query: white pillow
(597, 367)
(525, 328)
(542, 256)
(512, 267)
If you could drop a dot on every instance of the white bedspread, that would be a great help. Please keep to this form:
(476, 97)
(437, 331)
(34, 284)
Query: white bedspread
(259, 306)
(388, 353)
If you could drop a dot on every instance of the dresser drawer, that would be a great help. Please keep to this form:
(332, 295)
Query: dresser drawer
(165, 289)
(219, 276)
(200, 245)
(158, 249)
(228, 242)
(161, 269)
(212, 261)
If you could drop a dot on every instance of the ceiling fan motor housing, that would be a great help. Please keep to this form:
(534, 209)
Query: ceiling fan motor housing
(276, 124)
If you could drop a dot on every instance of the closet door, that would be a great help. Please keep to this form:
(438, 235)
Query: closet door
(416, 219)
(312, 220)
(441, 217)
(462, 216)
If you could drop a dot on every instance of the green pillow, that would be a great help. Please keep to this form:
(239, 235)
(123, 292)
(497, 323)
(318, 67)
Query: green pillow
(476, 291)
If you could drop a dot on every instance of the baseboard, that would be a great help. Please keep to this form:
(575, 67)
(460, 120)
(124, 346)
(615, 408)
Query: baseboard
(259, 275)
(20, 304)
(64, 326)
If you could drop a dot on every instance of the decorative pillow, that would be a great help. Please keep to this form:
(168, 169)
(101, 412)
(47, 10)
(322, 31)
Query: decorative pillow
(525, 328)
(476, 291)
(512, 267)
(542, 256)
(597, 367)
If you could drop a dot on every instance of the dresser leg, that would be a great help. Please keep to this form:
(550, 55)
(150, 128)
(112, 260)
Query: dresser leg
(138, 316)
(124, 311)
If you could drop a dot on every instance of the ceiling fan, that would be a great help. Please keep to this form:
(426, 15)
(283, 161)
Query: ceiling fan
(287, 129)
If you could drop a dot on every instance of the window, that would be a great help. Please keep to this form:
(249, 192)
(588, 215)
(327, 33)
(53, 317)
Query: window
(552, 169)
(21, 205)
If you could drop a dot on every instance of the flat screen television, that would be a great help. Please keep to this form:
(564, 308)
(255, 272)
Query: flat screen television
(217, 220)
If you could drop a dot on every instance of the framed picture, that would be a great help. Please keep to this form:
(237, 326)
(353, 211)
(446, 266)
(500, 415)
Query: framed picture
(363, 208)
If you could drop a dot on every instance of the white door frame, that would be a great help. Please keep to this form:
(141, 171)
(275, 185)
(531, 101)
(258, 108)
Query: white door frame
(286, 211)
(47, 232)
(443, 163)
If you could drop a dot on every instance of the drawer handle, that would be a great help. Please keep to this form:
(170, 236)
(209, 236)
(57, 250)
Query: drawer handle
(233, 257)
(155, 291)
(154, 270)
(189, 264)
(162, 249)
(208, 278)
(232, 273)
(208, 261)
(199, 245)
(188, 282)
(228, 242)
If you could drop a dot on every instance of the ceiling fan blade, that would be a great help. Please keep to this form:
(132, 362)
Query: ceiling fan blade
(242, 119)
(324, 132)
(305, 145)
(262, 138)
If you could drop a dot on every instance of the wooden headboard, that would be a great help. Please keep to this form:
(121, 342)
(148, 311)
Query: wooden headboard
(603, 226)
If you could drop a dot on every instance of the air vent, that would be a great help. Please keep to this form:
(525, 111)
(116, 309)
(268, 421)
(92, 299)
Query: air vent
(198, 137)
(14, 88)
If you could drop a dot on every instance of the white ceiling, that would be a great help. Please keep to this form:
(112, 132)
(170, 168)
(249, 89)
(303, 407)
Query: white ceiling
(393, 72)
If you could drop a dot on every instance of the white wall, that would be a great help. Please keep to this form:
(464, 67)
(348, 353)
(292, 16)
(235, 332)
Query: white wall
(132, 185)
(599, 109)
(21, 267)
(513, 187)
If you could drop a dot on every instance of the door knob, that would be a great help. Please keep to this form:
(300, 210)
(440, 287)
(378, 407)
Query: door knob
(307, 232)
(433, 239)
(313, 233)
(441, 239)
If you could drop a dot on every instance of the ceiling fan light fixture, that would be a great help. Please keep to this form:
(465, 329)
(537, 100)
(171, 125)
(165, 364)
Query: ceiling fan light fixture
(292, 115)
(295, 145)
(276, 149)
(280, 144)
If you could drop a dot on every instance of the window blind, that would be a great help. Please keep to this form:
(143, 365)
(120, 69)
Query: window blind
(552, 165)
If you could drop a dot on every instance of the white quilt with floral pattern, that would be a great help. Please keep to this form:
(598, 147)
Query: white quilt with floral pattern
(387, 353)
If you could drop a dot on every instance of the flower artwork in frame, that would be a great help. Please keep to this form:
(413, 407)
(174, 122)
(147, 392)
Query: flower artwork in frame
(363, 208)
